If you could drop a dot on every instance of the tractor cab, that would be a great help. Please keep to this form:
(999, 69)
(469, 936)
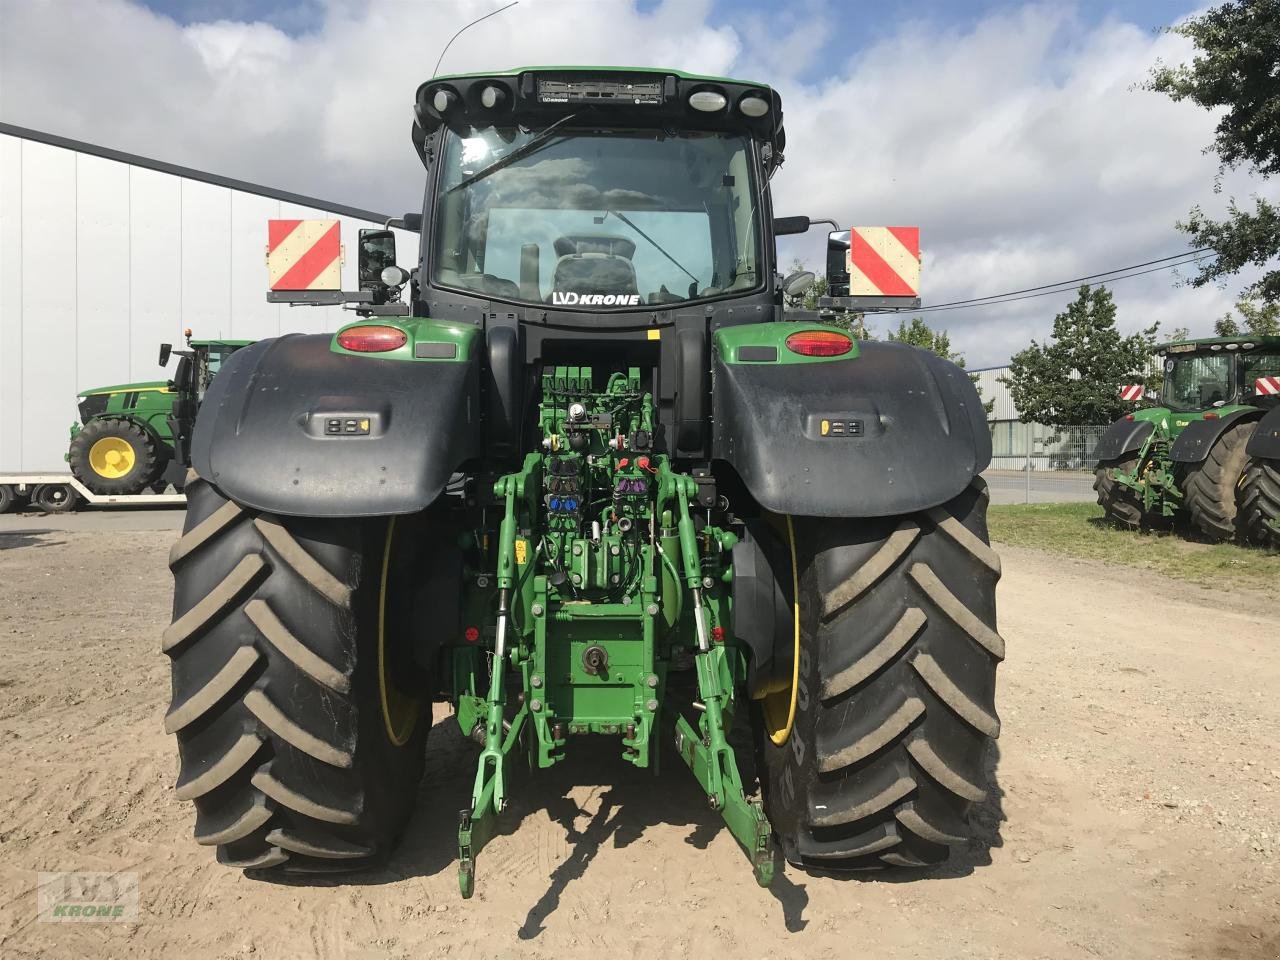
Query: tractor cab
(1206, 375)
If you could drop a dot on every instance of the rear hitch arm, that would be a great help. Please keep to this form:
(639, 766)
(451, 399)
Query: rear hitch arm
(706, 751)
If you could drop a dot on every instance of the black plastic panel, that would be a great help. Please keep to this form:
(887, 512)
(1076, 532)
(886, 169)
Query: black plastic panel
(260, 435)
(1123, 436)
(1265, 442)
(923, 434)
(1196, 439)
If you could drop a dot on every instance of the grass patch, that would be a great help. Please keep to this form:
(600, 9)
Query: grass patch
(1078, 530)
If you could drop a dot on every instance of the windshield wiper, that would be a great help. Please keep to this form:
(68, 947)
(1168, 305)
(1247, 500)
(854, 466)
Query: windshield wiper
(529, 147)
(657, 246)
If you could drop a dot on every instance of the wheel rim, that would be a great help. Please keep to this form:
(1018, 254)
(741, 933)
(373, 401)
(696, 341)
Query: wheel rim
(399, 712)
(778, 707)
(112, 457)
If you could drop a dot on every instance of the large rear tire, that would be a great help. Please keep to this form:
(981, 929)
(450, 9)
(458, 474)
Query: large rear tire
(115, 455)
(300, 736)
(1119, 503)
(895, 705)
(1209, 487)
(1259, 504)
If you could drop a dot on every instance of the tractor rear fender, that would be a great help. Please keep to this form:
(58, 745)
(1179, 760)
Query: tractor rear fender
(891, 430)
(291, 427)
(1199, 436)
(1265, 442)
(1123, 436)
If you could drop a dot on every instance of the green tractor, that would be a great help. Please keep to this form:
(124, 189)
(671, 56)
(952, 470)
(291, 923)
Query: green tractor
(1184, 457)
(586, 484)
(131, 434)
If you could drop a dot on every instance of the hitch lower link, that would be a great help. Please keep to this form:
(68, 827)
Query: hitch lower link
(705, 751)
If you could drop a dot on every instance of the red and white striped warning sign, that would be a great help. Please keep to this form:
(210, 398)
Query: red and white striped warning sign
(304, 255)
(1267, 386)
(884, 262)
(1131, 391)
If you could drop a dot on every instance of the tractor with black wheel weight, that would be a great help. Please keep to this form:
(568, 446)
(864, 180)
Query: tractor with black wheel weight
(579, 475)
(1182, 458)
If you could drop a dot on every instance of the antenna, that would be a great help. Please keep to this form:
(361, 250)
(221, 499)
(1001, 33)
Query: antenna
(491, 13)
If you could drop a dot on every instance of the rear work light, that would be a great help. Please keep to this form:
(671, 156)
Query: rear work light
(819, 343)
(372, 338)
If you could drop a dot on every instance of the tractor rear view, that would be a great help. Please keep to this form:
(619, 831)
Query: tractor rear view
(1184, 458)
(577, 476)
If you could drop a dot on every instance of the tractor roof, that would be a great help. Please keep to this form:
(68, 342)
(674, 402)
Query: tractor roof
(221, 343)
(1203, 344)
(601, 96)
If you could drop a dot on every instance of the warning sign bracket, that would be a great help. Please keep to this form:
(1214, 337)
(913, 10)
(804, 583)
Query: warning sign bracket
(869, 303)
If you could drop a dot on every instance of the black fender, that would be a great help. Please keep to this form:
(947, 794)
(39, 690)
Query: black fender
(1123, 436)
(1198, 437)
(1265, 442)
(906, 431)
(261, 434)
(763, 605)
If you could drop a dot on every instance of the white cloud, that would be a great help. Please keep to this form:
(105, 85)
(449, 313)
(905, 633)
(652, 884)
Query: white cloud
(1021, 145)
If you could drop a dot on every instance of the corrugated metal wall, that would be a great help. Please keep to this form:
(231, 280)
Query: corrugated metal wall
(102, 260)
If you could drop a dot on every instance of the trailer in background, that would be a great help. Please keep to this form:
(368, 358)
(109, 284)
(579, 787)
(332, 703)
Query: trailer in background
(63, 493)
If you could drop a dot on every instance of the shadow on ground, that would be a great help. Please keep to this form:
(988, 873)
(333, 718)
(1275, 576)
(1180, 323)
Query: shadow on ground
(13, 539)
(630, 801)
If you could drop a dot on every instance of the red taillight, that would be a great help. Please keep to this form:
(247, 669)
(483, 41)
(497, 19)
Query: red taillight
(471, 634)
(1128, 416)
(1211, 416)
(372, 339)
(819, 343)
(717, 634)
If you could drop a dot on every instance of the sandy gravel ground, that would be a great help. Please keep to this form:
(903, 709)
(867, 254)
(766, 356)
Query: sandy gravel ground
(1136, 812)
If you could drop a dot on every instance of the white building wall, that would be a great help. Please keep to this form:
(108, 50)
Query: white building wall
(102, 260)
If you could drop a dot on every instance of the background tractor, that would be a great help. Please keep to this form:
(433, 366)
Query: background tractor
(585, 483)
(1184, 457)
(131, 434)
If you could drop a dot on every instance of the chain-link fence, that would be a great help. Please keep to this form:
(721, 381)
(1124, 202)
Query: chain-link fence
(1034, 463)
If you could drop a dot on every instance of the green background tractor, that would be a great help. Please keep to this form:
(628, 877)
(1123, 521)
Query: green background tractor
(589, 485)
(1184, 457)
(131, 433)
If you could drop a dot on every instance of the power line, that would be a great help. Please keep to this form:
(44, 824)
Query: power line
(1061, 286)
(1047, 293)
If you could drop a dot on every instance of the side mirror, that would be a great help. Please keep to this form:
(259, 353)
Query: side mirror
(184, 375)
(783, 226)
(838, 263)
(166, 351)
(410, 221)
(798, 283)
(377, 252)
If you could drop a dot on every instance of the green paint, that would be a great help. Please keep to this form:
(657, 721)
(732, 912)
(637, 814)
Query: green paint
(420, 330)
(595, 606)
(150, 403)
(730, 340)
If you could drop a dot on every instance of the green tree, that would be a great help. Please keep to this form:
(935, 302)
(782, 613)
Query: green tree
(1234, 73)
(1260, 319)
(920, 334)
(1073, 379)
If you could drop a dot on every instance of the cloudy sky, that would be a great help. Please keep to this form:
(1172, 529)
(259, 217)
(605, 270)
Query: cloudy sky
(1014, 134)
